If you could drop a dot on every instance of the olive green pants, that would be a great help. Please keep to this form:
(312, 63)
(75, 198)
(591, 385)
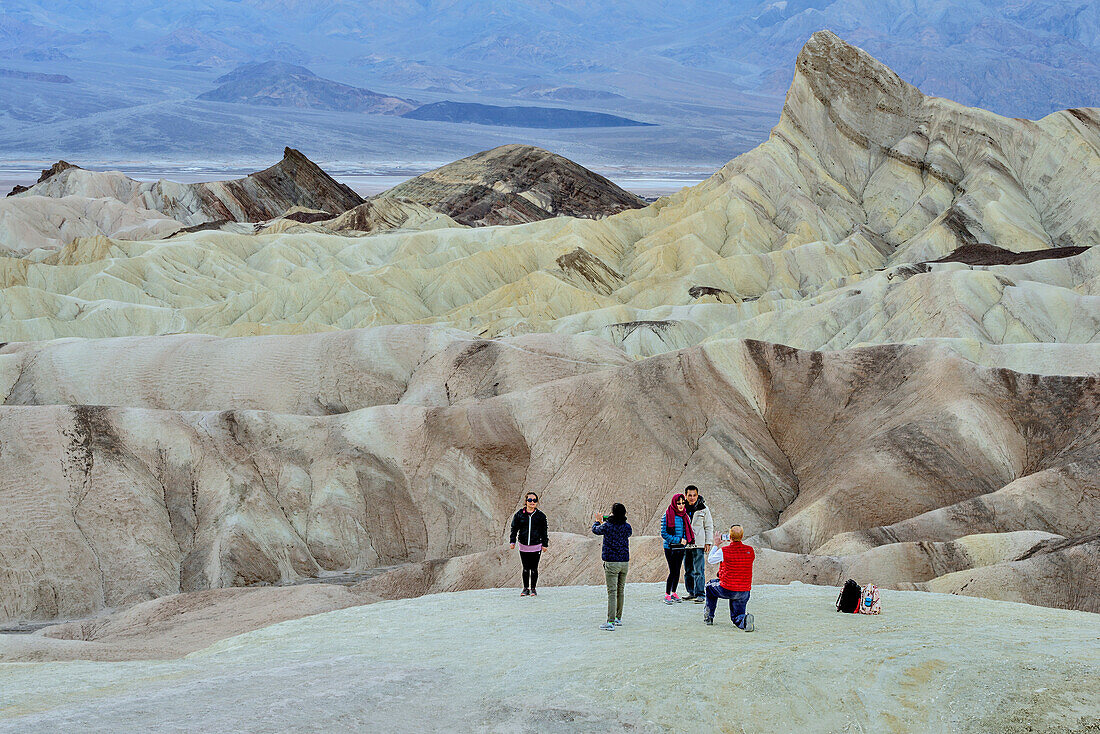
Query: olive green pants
(615, 573)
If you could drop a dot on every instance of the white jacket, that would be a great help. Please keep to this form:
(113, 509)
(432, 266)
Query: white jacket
(702, 525)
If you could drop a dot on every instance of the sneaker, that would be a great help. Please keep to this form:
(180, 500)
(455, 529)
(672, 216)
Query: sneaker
(699, 600)
(534, 593)
(525, 592)
(609, 626)
(676, 599)
(707, 619)
(668, 599)
(688, 597)
(618, 623)
(749, 627)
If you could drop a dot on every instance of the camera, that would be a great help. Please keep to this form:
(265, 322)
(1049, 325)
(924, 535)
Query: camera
(606, 518)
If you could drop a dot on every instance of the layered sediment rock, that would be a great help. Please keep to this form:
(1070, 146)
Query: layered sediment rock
(45, 223)
(514, 184)
(965, 460)
(819, 238)
(349, 451)
(293, 181)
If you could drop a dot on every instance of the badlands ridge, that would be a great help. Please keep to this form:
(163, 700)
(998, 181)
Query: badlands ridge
(824, 336)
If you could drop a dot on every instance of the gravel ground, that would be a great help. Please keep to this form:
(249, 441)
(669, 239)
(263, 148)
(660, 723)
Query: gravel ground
(492, 661)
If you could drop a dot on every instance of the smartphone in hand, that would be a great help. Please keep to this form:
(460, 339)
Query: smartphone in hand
(725, 537)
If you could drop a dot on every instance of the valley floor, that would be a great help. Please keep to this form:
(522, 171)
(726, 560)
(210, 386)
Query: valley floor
(492, 661)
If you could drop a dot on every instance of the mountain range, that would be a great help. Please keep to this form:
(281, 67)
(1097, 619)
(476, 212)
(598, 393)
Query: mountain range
(711, 75)
(279, 84)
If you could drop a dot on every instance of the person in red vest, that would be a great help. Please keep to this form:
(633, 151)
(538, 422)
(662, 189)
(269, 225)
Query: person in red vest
(734, 578)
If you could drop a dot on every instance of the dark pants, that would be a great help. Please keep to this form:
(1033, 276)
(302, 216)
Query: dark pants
(694, 581)
(674, 557)
(530, 568)
(738, 601)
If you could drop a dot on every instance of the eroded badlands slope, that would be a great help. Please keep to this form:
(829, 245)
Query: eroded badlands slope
(513, 184)
(216, 462)
(293, 181)
(803, 240)
(930, 425)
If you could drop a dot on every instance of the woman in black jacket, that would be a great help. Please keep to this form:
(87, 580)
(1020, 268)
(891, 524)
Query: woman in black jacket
(529, 527)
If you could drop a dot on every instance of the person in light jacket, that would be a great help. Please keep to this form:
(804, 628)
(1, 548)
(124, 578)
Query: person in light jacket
(529, 527)
(702, 524)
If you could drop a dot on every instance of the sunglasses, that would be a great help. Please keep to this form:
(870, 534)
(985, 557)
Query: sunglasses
(681, 502)
(534, 501)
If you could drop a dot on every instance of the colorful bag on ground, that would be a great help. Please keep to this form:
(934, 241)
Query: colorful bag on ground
(868, 600)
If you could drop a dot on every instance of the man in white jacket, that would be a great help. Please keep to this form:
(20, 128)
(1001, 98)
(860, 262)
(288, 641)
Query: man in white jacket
(702, 525)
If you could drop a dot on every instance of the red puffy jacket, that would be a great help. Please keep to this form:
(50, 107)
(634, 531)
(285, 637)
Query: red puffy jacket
(735, 572)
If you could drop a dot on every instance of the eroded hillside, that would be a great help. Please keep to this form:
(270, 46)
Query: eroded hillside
(833, 336)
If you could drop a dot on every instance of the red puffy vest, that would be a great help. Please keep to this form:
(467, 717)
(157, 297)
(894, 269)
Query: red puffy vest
(735, 572)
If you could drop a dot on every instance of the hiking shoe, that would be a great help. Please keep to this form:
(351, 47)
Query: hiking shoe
(618, 623)
(668, 599)
(699, 600)
(707, 619)
(749, 626)
(525, 592)
(609, 626)
(688, 597)
(676, 599)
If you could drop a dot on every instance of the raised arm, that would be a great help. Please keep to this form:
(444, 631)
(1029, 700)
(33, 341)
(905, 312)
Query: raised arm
(715, 556)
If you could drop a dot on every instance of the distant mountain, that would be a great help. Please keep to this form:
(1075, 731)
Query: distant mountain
(194, 47)
(712, 75)
(542, 117)
(279, 84)
(34, 76)
(32, 53)
(565, 94)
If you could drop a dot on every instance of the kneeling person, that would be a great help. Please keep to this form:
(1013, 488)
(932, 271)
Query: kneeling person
(734, 578)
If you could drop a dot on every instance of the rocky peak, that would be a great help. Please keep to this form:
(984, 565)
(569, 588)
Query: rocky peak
(512, 184)
(297, 181)
(46, 173)
(293, 181)
(863, 98)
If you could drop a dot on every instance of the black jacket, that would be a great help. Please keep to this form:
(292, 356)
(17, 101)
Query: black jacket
(529, 528)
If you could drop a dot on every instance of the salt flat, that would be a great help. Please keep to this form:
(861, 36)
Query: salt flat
(492, 661)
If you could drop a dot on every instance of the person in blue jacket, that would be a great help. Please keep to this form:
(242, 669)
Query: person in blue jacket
(616, 533)
(677, 535)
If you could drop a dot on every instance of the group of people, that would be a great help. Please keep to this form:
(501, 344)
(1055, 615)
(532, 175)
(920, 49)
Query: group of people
(687, 534)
